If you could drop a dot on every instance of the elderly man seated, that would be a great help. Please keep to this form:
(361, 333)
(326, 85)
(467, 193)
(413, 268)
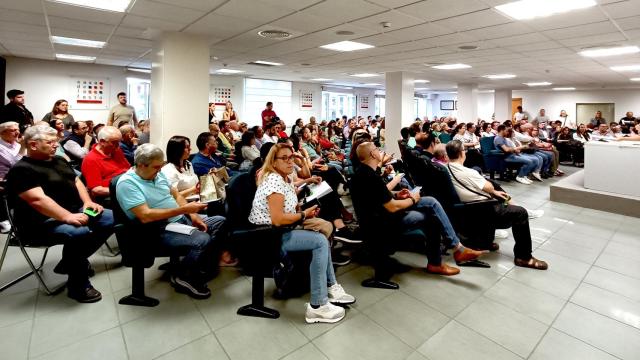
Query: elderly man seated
(103, 162)
(471, 186)
(10, 153)
(52, 206)
(77, 145)
(406, 210)
(129, 142)
(207, 157)
(144, 193)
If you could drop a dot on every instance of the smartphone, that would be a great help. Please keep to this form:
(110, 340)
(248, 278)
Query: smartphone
(416, 189)
(91, 212)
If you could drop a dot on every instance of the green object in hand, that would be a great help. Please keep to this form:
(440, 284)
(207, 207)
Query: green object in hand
(91, 212)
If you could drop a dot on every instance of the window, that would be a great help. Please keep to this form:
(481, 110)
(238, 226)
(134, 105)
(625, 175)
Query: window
(380, 100)
(335, 105)
(138, 96)
(258, 92)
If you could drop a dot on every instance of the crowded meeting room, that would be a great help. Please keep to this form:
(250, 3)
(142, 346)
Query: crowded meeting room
(371, 179)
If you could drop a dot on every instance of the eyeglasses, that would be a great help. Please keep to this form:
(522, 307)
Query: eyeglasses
(286, 158)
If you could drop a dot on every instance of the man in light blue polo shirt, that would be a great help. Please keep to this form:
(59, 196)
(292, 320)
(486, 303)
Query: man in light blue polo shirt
(144, 193)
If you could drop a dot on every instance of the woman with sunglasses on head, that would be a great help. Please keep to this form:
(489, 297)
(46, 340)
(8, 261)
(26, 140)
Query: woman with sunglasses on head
(276, 203)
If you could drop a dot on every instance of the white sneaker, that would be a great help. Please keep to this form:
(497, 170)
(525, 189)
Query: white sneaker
(536, 175)
(337, 295)
(5, 226)
(501, 234)
(327, 313)
(534, 214)
(523, 180)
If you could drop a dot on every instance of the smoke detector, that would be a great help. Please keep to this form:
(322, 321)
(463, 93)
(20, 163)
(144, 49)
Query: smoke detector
(274, 34)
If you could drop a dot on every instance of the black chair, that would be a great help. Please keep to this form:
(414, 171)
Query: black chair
(139, 247)
(494, 160)
(258, 246)
(14, 238)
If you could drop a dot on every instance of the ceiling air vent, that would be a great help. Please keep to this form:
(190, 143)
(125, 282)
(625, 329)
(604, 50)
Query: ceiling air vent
(274, 34)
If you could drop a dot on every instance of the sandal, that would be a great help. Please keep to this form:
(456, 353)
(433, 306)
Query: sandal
(532, 263)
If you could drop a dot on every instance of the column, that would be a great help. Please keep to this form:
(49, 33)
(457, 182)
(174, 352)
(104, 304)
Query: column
(179, 87)
(398, 107)
(467, 103)
(502, 105)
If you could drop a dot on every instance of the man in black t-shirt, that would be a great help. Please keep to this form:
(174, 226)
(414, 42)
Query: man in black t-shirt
(50, 203)
(404, 211)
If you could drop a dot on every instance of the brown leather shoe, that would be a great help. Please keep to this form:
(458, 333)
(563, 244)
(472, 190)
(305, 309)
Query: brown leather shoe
(467, 255)
(532, 263)
(442, 269)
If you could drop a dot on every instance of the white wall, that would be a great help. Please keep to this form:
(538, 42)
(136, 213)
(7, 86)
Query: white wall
(371, 111)
(306, 113)
(485, 106)
(236, 83)
(45, 81)
(554, 101)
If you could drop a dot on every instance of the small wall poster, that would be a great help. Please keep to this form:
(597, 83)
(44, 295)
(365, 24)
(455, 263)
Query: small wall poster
(364, 101)
(306, 99)
(221, 95)
(90, 93)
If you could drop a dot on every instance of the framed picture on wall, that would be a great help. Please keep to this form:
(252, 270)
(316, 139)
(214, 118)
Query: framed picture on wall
(221, 95)
(88, 93)
(447, 105)
(306, 100)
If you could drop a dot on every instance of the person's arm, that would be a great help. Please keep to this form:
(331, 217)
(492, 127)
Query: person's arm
(135, 119)
(75, 149)
(280, 218)
(37, 199)
(110, 119)
(86, 199)
(394, 182)
(395, 205)
(146, 215)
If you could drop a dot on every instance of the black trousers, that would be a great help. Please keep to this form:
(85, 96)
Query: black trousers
(516, 218)
(330, 207)
(331, 176)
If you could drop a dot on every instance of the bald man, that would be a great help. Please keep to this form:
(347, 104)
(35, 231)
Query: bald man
(404, 211)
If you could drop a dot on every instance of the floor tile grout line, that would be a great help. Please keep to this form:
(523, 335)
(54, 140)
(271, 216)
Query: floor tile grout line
(75, 342)
(181, 346)
(211, 329)
(584, 342)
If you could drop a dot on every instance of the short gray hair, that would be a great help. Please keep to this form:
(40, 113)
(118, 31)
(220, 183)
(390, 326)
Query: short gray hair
(38, 132)
(454, 149)
(125, 129)
(107, 132)
(146, 153)
(5, 125)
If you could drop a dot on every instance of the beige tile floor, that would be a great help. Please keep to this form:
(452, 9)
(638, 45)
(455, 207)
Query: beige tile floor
(586, 306)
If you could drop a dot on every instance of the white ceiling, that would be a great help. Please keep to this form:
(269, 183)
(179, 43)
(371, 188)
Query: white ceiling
(421, 32)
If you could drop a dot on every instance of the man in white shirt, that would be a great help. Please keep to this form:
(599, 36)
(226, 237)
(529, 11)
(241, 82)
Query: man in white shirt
(271, 131)
(519, 115)
(373, 129)
(471, 186)
(603, 133)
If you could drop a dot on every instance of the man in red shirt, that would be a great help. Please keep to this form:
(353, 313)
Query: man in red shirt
(103, 162)
(268, 114)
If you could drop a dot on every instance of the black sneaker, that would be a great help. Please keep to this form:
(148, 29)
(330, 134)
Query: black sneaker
(340, 260)
(86, 295)
(346, 235)
(190, 288)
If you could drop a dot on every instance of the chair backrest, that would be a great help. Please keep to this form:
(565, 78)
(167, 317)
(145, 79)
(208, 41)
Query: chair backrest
(238, 152)
(444, 138)
(240, 193)
(486, 144)
(438, 183)
(118, 214)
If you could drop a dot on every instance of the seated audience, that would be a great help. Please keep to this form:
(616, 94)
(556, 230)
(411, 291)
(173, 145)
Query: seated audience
(282, 134)
(178, 169)
(486, 130)
(548, 148)
(145, 194)
(633, 136)
(145, 132)
(299, 124)
(129, 142)
(602, 133)
(530, 164)
(249, 150)
(103, 162)
(276, 203)
(258, 134)
(223, 144)
(60, 112)
(49, 201)
(440, 155)
(77, 144)
(627, 122)
(405, 211)
(271, 131)
(207, 159)
(10, 152)
(596, 121)
(472, 186)
(616, 130)
(59, 126)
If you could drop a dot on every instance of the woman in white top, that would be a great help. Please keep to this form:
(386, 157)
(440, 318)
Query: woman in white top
(249, 150)
(178, 169)
(459, 131)
(582, 134)
(276, 203)
(486, 130)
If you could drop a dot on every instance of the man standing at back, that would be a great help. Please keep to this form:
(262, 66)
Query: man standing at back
(122, 114)
(16, 111)
(268, 114)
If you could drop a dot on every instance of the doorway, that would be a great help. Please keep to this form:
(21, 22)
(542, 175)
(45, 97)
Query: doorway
(515, 102)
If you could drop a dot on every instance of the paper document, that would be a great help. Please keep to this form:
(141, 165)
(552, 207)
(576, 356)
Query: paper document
(180, 228)
(318, 190)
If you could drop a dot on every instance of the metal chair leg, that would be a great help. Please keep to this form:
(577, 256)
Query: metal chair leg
(36, 272)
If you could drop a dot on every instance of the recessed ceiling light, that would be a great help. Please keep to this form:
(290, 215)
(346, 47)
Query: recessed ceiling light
(75, 57)
(77, 42)
(635, 79)
(228, 71)
(626, 68)
(451, 66)
(268, 63)
(345, 32)
(499, 76)
(612, 51)
(541, 83)
(564, 88)
(146, 71)
(108, 5)
(421, 81)
(372, 84)
(321, 79)
(529, 9)
(274, 34)
(347, 46)
(365, 75)
(419, 89)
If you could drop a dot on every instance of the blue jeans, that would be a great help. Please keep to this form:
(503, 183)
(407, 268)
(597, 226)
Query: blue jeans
(198, 246)
(418, 217)
(321, 268)
(546, 158)
(336, 165)
(80, 242)
(529, 163)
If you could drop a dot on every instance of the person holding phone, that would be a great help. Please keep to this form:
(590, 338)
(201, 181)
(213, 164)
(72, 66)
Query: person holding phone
(145, 193)
(276, 203)
(52, 206)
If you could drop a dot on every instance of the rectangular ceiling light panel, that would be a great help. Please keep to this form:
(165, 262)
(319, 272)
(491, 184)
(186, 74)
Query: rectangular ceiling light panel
(107, 5)
(77, 42)
(531, 9)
